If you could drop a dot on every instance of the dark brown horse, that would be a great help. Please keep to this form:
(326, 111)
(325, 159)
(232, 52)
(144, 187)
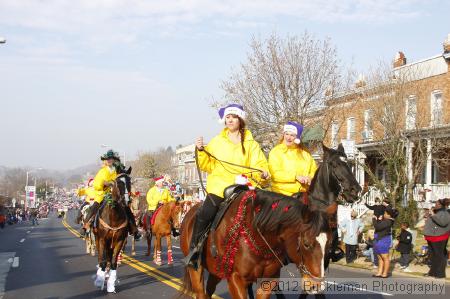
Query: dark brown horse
(168, 217)
(258, 232)
(290, 229)
(112, 230)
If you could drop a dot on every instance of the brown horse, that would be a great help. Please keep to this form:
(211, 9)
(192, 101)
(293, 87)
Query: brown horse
(137, 213)
(90, 237)
(245, 254)
(112, 231)
(257, 233)
(168, 217)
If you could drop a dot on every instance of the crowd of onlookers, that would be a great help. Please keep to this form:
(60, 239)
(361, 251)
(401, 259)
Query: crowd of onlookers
(381, 240)
(11, 216)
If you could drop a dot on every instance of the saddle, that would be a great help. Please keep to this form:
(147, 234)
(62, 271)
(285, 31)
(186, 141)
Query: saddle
(230, 194)
(152, 221)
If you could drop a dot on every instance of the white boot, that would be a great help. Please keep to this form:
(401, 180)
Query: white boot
(100, 279)
(111, 284)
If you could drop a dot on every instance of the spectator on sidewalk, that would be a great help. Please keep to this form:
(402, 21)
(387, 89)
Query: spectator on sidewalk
(368, 252)
(436, 232)
(351, 228)
(383, 240)
(378, 208)
(405, 246)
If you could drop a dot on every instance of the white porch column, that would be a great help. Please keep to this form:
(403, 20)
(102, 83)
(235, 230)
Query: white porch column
(428, 169)
(361, 160)
(409, 160)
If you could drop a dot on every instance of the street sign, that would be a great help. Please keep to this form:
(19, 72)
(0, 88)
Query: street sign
(31, 196)
(349, 147)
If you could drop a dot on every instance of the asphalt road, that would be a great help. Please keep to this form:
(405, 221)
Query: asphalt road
(49, 261)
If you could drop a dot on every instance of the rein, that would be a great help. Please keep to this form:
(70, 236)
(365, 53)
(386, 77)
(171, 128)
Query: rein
(221, 163)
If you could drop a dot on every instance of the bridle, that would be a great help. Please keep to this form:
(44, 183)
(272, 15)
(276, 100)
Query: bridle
(126, 195)
(301, 266)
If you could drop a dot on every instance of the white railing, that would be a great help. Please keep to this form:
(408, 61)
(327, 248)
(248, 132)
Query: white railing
(367, 198)
(431, 193)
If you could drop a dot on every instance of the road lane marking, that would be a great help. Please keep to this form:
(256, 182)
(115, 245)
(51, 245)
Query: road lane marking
(6, 259)
(161, 276)
(28, 231)
(15, 263)
(21, 241)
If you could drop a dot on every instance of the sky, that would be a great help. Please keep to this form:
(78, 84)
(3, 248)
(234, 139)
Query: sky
(137, 75)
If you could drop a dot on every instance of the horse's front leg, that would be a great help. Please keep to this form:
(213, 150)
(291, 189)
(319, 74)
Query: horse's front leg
(114, 253)
(133, 246)
(237, 287)
(158, 250)
(196, 277)
(169, 250)
(100, 277)
(266, 287)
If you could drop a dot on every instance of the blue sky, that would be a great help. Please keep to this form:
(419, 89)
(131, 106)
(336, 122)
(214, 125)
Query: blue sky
(141, 74)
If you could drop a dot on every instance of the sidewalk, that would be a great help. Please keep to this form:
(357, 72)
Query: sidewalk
(416, 270)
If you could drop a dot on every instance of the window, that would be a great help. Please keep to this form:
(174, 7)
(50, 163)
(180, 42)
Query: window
(351, 128)
(436, 108)
(334, 133)
(411, 112)
(368, 120)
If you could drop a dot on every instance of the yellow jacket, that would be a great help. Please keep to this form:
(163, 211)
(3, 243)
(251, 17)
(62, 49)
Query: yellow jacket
(222, 175)
(286, 164)
(105, 174)
(88, 193)
(155, 196)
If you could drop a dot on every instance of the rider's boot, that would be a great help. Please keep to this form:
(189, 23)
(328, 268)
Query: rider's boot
(204, 217)
(132, 224)
(92, 212)
(194, 252)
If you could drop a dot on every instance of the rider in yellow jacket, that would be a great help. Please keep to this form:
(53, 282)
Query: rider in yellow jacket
(291, 166)
(158, 195)
(236, 145)
(103, 181)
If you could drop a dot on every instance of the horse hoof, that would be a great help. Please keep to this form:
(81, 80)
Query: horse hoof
(133, 253)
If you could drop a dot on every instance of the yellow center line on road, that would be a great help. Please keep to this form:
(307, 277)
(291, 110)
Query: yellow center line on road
(163, 277)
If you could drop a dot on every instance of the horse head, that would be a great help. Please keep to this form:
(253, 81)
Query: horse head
(176, 209)
(123, 185)
(313, 242)
(303, 233)
(334, 179)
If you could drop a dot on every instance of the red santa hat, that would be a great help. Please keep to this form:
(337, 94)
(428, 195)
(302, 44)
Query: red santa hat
(159, 179)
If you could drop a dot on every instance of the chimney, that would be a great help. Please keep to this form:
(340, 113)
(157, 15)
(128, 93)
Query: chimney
(446, 45)
(361, 82)
(399, 60)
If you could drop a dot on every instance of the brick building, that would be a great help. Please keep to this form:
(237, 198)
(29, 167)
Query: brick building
(416, 98)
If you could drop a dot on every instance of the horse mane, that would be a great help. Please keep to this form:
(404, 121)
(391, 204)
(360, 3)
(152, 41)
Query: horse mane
(275, 211)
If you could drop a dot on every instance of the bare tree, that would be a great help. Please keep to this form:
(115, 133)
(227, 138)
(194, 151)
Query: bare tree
(284, 79)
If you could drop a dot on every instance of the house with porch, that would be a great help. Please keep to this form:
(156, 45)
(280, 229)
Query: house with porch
(417, 110)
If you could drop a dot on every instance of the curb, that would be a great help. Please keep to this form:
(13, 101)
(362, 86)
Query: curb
(397, 273)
